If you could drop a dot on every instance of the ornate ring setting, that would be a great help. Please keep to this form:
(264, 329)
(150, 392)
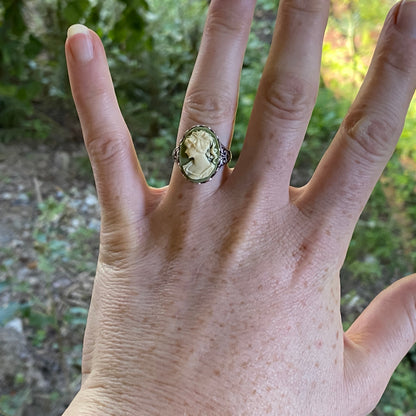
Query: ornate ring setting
(200, 154)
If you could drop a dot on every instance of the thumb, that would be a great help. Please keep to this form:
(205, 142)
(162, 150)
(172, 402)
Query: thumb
(378, 340)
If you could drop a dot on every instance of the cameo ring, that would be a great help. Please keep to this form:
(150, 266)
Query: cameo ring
(200, 154)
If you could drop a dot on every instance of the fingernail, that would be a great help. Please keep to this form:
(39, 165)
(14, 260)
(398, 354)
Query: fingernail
(81, 45)
(406, 18)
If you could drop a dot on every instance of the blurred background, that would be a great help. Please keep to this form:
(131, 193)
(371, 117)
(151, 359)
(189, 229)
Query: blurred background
(49, 220)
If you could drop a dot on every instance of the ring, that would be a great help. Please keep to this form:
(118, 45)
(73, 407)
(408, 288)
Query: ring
(200, 154)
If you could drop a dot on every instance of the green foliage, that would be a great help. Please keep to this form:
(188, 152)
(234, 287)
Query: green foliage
(76, 316)
(47, 317)
(8, 312)
(351, 35)
(56, 247)
(407, 144)
(11, 405)
(325, 121)
(254, 60)
(401, 392)
(18, 90)
(367, 258)
(33, 80)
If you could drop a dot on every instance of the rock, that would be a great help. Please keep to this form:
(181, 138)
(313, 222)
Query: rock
(22, 198)
(91, 200)
(6, 233)
(94, 224)
(7, 196)
(75, 222)
(15, 324)
(16, 243)
(23, 274)
(62, 161)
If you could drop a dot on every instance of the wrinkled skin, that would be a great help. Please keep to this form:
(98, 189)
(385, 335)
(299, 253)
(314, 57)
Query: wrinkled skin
(224, 298)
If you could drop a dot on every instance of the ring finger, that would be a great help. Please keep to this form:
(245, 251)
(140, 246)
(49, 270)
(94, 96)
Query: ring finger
(211, 98)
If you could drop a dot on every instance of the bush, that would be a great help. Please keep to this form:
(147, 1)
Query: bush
(34, 91)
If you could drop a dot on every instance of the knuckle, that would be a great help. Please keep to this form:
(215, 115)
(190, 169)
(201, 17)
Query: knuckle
(288, 97)
(223, 19)
(397, 58)
(305, 6)
(371, 138)
(106, 147)
(209, 107)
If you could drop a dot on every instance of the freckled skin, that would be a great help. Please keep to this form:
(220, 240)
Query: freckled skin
(220, 344)
(219, 328)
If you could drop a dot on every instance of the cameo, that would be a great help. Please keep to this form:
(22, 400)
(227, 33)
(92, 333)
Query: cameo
(199, 154)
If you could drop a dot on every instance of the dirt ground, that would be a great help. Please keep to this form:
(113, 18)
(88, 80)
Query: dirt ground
(39, 368)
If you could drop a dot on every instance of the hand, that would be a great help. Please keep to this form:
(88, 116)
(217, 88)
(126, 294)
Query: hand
(224, 298)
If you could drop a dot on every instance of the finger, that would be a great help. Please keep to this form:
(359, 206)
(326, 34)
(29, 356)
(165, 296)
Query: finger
(119, 180)
(361, 149)
(378, 340)
(212, 94)
(286, 96)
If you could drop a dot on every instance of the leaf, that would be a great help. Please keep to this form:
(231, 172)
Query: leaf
(33, 47)
(94, 16)
(75, 10)
(40, 320)
(14, 22)
(4, 286)
(9, 312)
(76, 310)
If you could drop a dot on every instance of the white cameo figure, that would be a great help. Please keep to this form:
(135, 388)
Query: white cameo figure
(198, 147)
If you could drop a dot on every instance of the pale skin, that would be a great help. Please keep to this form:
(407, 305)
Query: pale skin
(224, 298)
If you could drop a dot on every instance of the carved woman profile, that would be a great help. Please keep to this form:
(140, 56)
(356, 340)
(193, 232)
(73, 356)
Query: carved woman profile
(203, 155)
